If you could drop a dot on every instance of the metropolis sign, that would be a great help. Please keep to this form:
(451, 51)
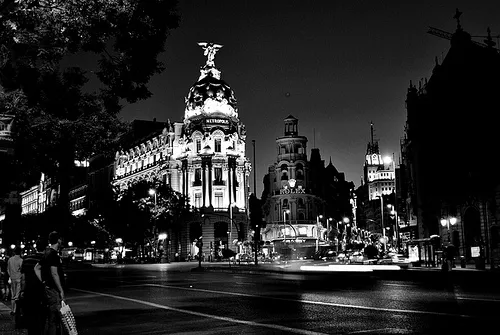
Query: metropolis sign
(217, 121)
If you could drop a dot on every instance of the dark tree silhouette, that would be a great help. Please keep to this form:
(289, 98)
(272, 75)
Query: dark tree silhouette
(58, 117)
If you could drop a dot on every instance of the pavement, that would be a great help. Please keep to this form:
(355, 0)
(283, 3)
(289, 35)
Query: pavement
(7, 321)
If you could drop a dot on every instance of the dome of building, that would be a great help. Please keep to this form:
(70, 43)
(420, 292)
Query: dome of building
(210, 96)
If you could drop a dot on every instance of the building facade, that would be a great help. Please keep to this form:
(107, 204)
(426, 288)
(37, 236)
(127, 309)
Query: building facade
(298, 218)
(376, 197)
(458, 202)
(203, 158)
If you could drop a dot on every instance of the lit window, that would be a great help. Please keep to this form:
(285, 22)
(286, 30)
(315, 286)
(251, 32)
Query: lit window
(198, 145)
(197, 200)
(217, 145)
(219, 200)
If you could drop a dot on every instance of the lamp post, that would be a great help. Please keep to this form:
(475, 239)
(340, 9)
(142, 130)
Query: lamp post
(152, 192)
(446, 223)
(328, 229)
(382, 220)
(285, 212)
(319, 217)
(231, 205)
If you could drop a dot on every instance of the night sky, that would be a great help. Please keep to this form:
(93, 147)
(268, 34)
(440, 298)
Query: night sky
(334, 65)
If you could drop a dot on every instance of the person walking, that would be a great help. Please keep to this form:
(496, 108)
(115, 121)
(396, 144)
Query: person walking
(32, 292)
(49, 271)
(450, 256)
(14, 269)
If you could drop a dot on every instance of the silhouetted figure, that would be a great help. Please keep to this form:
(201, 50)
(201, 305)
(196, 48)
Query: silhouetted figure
(14, 269)
(32, 292)
(49, 271)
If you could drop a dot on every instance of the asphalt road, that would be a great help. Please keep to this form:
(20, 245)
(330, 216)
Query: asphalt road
(171, 299)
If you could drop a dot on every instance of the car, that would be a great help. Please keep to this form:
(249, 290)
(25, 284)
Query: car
(395, 259)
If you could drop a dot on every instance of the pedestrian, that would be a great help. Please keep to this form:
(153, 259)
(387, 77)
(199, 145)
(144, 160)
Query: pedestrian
(32, 292)
(49, 271)
(14, 269)
(450, 256)
(4, 280)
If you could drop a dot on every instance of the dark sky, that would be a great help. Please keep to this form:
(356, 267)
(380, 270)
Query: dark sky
(343, 63)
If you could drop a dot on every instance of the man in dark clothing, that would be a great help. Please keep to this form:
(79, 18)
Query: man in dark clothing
(49, 271)
(32, 292)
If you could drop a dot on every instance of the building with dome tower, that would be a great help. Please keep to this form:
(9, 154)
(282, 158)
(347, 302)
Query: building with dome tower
(202, 157)
(298, 216)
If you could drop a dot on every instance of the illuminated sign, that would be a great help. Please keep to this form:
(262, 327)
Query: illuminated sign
(292, 191)
(217, 121)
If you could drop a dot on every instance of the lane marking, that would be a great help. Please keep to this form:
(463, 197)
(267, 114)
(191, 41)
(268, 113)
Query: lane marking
(222, 318)
(476, 299)
(399, 285)
(376, 330)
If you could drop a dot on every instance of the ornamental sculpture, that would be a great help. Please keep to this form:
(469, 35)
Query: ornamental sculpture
(210, 51)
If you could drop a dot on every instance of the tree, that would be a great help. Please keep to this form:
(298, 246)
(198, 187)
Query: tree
(140, 216)
(58, 116)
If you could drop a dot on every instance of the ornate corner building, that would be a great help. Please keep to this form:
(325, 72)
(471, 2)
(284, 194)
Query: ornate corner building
(298, 210)
(202, 157)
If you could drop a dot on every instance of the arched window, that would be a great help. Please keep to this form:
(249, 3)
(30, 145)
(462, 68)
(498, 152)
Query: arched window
(284, 172)
(299, 172)
(285, 203)
(301, 216)
(300, 202)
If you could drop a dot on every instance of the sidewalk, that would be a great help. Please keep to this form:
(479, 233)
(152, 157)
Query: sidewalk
(7, 321)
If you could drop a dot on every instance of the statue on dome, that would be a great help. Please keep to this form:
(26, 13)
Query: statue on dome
(210, 51)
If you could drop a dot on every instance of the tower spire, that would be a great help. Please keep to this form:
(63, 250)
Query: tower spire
(371, 131)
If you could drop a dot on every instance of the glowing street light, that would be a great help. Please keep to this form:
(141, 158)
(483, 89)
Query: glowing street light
(230, 242)
(152, 192)
(446, 223)
(285, 212)
(70, 244)
(318, 218)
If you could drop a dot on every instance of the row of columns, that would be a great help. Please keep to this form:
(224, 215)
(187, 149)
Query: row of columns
(207, 179)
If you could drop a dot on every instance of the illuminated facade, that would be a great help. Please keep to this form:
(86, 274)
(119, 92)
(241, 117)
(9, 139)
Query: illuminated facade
(292, 209)
(379, 172)
(202, 157)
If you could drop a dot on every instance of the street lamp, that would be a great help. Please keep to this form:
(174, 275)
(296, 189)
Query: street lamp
(328, 229)
(446, 223)
(231, 205)
(285, 212)
(152, 192)
(382, 219)
(346, 222)
(319, 217)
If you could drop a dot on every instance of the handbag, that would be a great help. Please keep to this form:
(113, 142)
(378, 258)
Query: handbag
(68, 320)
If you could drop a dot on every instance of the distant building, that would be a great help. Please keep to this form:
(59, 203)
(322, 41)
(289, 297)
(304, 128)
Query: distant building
(448, 152)
(295, 195)
(377, 193)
